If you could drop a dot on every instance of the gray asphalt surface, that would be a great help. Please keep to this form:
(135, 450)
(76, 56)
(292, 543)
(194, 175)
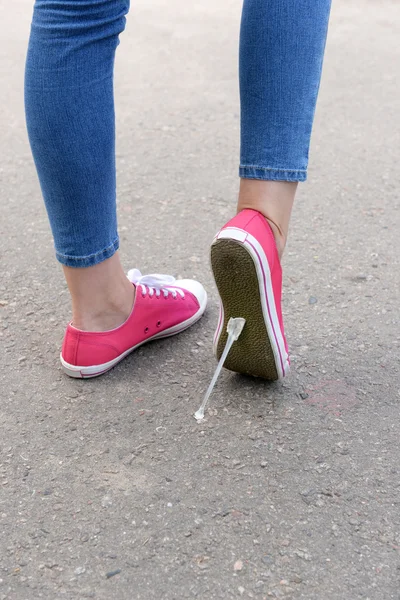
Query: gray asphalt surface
(108, 487)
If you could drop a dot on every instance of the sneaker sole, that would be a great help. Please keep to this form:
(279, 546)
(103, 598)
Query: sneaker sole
(243, 279)
(96, 370)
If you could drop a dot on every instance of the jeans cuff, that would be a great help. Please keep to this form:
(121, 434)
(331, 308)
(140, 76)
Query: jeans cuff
(270, 174)
(90, 259)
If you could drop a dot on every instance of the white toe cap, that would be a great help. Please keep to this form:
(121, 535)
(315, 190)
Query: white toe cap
(195, 288)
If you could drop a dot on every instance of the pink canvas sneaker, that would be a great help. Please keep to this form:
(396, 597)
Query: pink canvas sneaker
(248, 275)
(163, 306)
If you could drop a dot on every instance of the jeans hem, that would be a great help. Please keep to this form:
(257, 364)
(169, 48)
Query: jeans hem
(270, 174)
(91, 259)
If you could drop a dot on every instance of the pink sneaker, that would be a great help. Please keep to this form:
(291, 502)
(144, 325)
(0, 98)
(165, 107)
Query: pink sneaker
(248, 275)
(163, 306)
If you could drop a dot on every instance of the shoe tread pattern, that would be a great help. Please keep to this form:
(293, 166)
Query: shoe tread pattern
(237, 282)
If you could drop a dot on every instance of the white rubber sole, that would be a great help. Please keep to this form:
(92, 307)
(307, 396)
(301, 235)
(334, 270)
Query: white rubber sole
(96, 370)
(270, 314)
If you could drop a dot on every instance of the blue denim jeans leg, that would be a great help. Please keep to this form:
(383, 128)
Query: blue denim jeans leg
(282, 45)
(70, 107)
(69, 104)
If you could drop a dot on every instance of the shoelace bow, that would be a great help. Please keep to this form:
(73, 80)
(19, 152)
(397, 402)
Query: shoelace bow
(154, 284)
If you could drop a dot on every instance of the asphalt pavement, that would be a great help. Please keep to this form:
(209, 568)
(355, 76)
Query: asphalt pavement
(108, 487)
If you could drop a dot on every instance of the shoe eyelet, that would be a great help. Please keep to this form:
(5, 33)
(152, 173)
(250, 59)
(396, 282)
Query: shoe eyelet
(158, 323)
(146, 330)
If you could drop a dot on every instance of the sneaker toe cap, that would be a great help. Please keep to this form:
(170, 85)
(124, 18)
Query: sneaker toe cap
(195, 288)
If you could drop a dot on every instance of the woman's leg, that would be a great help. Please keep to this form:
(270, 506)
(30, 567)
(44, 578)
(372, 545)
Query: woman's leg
(281, 50)
(70, 118)
(282, 46)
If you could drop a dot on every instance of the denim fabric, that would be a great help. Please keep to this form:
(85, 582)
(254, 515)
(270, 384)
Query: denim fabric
(70, 117)
(282, 45)
(70, 107)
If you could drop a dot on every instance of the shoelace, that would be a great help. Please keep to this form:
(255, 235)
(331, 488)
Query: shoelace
(155, 284)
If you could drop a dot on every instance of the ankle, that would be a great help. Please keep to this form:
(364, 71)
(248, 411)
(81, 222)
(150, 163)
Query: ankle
(279, 235)
(274, 200)
(106, 313)
(101, 295)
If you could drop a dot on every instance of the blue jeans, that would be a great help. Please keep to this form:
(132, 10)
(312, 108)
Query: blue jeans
(70, 107)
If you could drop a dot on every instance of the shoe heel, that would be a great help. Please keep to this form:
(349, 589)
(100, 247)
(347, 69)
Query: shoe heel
(238, 285)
